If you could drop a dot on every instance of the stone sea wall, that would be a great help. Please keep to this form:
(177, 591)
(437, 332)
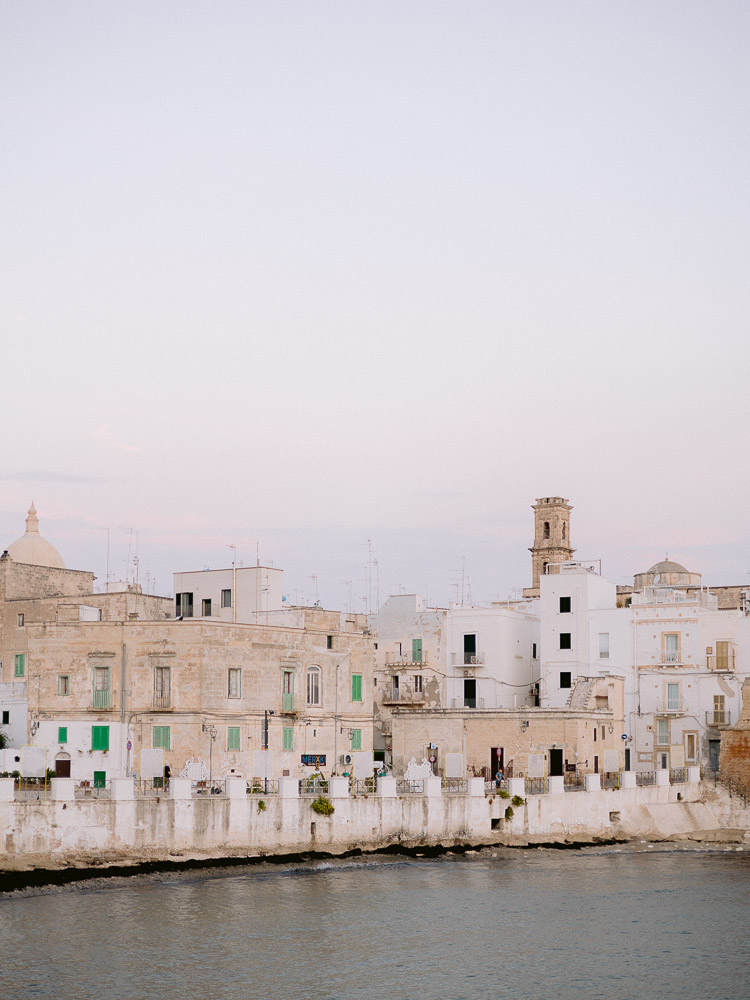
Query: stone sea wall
(64, 829)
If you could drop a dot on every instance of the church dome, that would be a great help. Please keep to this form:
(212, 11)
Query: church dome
(667, 566)
(32, 549)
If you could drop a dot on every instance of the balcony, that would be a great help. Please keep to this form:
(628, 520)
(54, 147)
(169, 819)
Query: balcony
(721, 661)
(398, 696)
(101, 699)
(394, 662)
(468, 659)
(162, 703)
(718, 719)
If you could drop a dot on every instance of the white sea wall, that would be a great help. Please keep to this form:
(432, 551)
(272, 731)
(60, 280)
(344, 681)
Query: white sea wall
(218, 826)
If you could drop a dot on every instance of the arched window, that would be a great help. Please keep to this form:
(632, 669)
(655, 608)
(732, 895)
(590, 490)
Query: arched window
(544, 568)
(565, 529)
(313, 685)
(546, 529)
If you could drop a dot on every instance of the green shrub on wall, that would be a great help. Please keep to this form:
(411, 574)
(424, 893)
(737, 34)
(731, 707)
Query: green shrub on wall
(322, 805)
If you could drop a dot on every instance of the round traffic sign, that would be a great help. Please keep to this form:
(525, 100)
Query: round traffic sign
(433, 758)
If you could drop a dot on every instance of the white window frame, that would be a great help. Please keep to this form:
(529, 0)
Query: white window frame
(313, 686)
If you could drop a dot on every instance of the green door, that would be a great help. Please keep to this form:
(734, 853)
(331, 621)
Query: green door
(100, 779)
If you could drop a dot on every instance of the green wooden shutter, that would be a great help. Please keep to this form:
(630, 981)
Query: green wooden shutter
(287, 738)
(356, 687)
(100, 779)
(100, 737)
(19, 665)
(416, 651)
(161, 737)
(62, 734)
(356, 739)
(233, 737)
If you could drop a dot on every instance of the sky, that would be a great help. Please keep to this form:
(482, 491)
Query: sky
(348, 285)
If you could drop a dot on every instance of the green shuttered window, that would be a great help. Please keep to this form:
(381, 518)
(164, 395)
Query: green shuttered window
(356, 687)
(161, 738)
(287, 738)
(233, 737)
(19, 665)
(356, 739)
(62, 734)
(100, 737)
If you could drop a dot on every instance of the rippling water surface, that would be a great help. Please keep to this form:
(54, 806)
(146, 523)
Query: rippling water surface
(521, 924)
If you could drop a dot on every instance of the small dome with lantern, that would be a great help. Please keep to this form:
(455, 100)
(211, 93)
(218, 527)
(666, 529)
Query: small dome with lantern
(32, 549)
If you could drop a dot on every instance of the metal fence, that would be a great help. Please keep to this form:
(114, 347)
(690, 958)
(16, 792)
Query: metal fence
(150, 788)
(313, 786)
(537, 786)
(455, 786)
(405, 786)
(31, 789)
(574, 782)
(493, 787)
(208, 787)
(262, 786)
(678, 775)
(362, 786)
(645, 778)
(610, 779)
(735, 789)
(92, 790)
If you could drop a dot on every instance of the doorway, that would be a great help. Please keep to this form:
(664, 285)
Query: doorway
(555, 763)
(62, 767)
(663, 760)
(470, 693)
(627, 758)
(714, 746)
(497, 761)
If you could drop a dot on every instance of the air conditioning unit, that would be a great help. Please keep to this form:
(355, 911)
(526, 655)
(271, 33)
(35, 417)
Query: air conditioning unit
(709, 650)
(468, 673)
(346, 758)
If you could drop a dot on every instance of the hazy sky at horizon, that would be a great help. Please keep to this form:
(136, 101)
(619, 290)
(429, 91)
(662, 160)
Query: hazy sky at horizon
(308, 274)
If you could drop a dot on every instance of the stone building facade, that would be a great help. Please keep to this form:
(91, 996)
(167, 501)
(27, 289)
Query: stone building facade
(100, 692)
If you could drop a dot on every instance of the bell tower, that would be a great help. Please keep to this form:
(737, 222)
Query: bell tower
(551, 538)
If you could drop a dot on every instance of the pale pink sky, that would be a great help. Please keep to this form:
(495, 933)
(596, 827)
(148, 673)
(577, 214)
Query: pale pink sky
(312, 274)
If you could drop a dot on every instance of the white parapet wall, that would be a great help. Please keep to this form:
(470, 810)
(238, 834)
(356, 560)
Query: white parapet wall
(121, 827)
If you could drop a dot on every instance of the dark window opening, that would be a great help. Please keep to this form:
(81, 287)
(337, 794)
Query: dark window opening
(565, 679)
(565, 640)
(329, 642)
(564, 605)
(184, 605)
(470, 649)
(546, 529)
(206, 610)
(470, 693)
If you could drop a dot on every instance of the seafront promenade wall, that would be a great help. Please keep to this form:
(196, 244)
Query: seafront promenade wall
(121, 826)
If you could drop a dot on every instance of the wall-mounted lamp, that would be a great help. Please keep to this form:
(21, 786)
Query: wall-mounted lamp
(524, 725)
(34, 727)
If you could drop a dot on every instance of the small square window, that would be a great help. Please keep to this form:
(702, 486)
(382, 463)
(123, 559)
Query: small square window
(6, 718)
(564, 605)
(21, 621)
(226, 598)
(565, 640)
(63, 684)
(565, 678)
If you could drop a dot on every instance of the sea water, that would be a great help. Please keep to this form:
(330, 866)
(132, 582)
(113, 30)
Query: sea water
(643, 922)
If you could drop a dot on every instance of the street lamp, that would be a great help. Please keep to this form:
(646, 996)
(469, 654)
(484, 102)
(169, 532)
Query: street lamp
(211, 730)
